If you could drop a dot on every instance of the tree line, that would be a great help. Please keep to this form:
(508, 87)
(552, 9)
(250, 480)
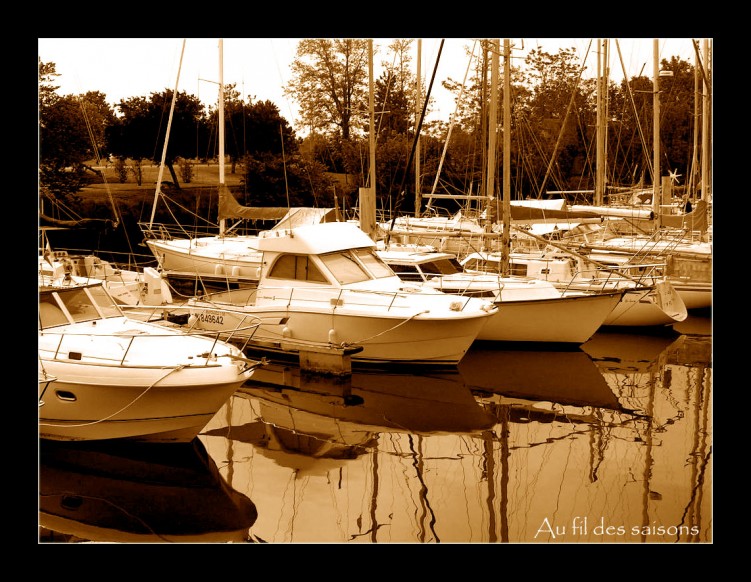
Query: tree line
(553, 127)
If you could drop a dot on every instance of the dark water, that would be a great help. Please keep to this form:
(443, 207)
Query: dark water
(608, 444)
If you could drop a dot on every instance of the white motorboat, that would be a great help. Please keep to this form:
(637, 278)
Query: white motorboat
(323, 285)
(121, 378)
(129, 288)
(687, 264)
(529, 310)
(649, 298)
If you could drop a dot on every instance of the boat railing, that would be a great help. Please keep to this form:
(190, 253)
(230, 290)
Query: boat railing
(627, 274)
(161, 231)
(365, 298)
(73, 353)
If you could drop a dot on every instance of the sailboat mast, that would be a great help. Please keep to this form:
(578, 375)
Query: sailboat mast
(656, 135)
(368, 194)
(418, 100)
(705, 126)
(166, 139)
(506, 235)
(491, 211)
(602, 84)
(691, 186)
(221, 127)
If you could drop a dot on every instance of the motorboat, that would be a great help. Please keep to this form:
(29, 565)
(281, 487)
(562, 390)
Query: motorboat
(138, 292)
(529, 310)
(115, 377)
(649, 298)
(324, 285)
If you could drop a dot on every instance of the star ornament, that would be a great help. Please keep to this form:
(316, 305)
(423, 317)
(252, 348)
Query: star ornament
(674, 175)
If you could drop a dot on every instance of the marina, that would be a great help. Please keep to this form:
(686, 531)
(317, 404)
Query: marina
(289, 353)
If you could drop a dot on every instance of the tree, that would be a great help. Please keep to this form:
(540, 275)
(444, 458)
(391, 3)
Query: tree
(70, 133)
(140, 130)
(329, 81)
(394, 93)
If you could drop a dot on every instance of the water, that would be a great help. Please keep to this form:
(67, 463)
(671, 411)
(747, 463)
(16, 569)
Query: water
(608, 444)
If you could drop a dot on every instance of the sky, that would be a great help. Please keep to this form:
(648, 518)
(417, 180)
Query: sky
(131, 67)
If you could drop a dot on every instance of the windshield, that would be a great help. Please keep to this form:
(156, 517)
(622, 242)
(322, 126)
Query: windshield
(82, 304)
(442, 267)
(345, 267)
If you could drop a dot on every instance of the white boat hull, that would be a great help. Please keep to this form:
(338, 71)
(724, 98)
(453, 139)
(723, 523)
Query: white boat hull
(695, 295)
(656, 306)
(87, 409)
(233, 258)
(401, 339)
(573, 320)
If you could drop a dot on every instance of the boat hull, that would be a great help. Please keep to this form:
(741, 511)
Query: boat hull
(409, 337)
(659, 305)
(124, 379)
(383, 341)
(80, 411)
(233, 259)
(694, 295)
(572, 320)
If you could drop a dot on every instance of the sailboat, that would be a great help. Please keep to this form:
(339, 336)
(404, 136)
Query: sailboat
(227, 258)
(681, 241)
(529, 310)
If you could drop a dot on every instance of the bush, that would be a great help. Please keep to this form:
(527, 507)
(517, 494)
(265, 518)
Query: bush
(186, 170)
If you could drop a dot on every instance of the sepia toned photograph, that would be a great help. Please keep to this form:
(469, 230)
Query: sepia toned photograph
(375, 291)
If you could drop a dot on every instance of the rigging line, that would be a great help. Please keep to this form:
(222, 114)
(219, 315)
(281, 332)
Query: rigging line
(563, 125)
(647, 161)
(400, 196)
(90, 131)
(451, 126)
(284, 165)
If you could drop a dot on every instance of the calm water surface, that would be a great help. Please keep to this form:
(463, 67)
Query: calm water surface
(608, 444)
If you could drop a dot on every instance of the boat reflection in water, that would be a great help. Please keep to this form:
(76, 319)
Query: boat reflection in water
(313, 424)
(137, 493)
(610, 444)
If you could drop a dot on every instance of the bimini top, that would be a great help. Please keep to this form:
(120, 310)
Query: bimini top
(315, 239)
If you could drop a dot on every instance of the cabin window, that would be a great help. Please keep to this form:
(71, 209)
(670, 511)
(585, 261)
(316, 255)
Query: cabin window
(520, 270)
(374, 263)
(297, 267)
(104, 302)
(482, 266)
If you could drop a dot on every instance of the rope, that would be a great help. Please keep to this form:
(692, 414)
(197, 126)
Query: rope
(180, 367)
(385, 331)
